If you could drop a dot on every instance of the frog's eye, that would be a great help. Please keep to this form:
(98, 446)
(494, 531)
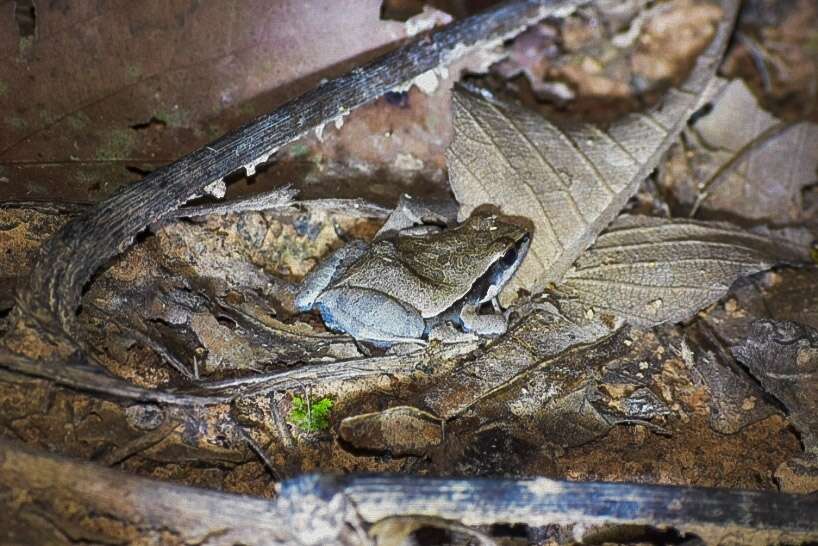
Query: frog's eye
(487, 223)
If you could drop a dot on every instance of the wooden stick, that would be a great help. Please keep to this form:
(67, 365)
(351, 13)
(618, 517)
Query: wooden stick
(97, 504)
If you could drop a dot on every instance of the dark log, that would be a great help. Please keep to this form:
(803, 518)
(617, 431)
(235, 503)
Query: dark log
(53, 499)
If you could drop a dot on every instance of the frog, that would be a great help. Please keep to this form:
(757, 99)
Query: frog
(406, 287)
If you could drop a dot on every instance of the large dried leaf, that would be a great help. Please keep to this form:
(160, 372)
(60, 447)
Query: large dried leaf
(570, 181)
(654, 270)
(734, 399)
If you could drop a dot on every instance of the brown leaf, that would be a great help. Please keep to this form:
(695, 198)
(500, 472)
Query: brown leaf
(783, 357)
(654, 270)
(752, 164)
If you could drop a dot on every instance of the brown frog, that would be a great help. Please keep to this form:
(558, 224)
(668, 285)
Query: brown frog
(399, 290)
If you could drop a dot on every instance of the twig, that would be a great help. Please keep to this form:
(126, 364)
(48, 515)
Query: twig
(136, 332)
(278, 198)
(48, 207)
(340, 371)
(759, 56)
(256, 449)
(88, 378)
(281, 424)
(139, 444)
(305, 347)
(277, 202)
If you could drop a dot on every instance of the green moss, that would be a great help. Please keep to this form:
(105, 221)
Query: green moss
(310, 416)
(4, 88)
(78, 121)
(299, 150)
(119, 145)
(16, 122)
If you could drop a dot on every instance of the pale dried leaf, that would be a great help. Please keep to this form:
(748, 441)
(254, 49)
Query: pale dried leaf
(654, 270)
(569, 181)
(756, 167)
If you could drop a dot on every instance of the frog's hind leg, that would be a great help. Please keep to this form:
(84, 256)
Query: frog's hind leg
(369, 315)
(326, 272)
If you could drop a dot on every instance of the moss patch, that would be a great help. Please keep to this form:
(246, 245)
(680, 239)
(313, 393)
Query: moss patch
(310, 416)
(118, 145)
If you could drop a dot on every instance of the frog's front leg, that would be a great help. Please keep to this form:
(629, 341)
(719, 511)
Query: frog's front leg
(494, 324)
(330, 269)
(369, 315)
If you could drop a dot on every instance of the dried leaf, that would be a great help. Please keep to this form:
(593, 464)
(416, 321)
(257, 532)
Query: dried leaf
(544, 335)
(734, 399)
(400, 430)
(655, 270)
(754, 165)
(570, 181)
(783, 356)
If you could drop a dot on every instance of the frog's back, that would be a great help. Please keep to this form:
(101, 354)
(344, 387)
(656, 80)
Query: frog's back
(419, 282)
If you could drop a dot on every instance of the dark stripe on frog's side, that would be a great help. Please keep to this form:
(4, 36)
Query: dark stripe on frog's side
(505, 266)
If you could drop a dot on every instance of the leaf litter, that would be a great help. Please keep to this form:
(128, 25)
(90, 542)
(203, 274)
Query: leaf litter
(550, 397)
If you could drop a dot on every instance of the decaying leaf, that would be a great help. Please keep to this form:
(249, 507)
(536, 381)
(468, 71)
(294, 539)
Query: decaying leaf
(734, 399)
(783, 356)
(571, 181)
(402, 430)
(542, 336)
(570, 398)
(654, 270)
(753, 164)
